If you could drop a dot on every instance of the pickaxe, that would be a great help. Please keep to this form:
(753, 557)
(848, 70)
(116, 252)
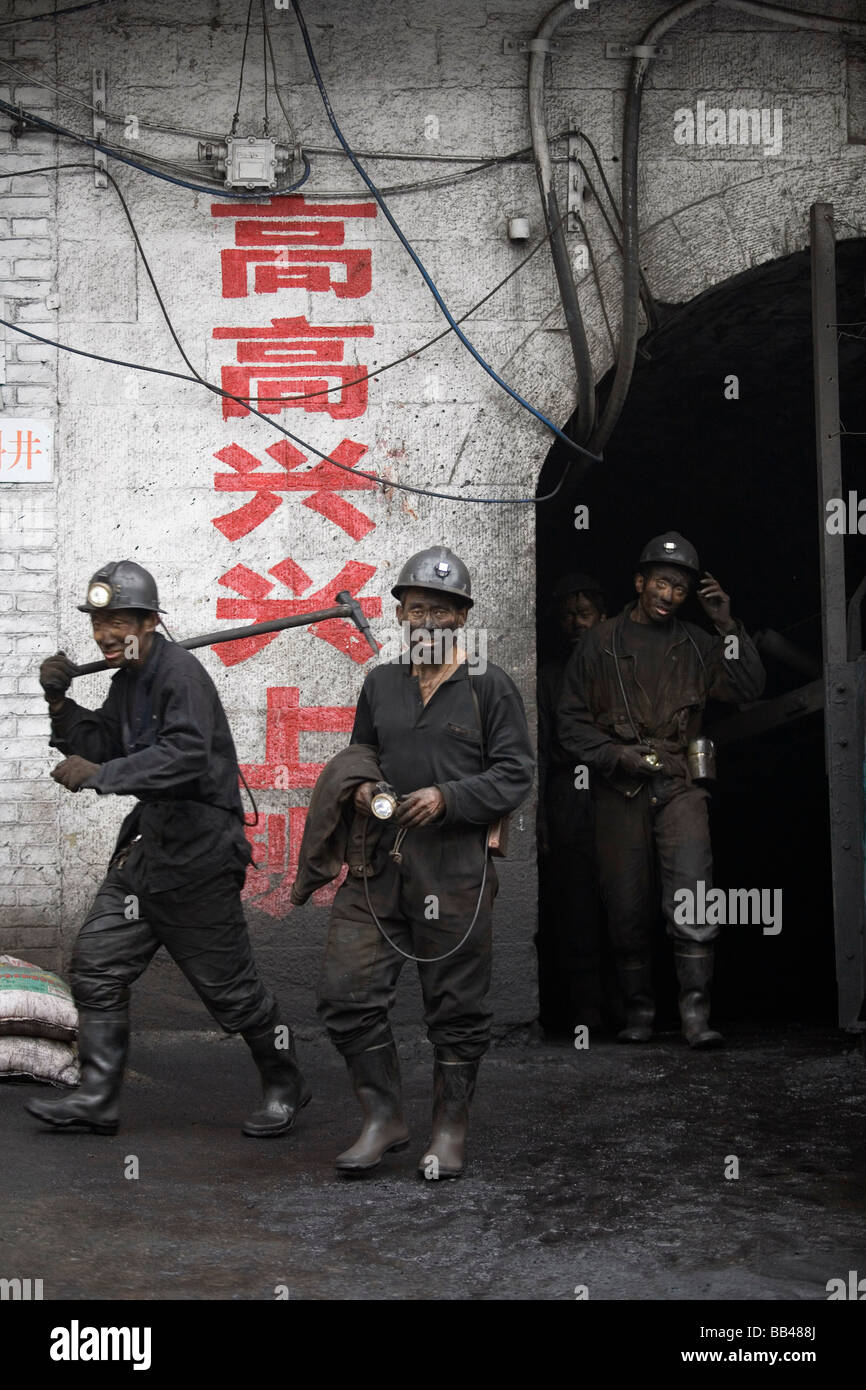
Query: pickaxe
(348, 608)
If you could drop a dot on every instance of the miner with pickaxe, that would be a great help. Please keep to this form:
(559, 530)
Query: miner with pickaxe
(178, 867)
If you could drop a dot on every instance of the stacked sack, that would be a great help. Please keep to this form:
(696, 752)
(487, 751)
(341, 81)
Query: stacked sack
(38, 1024)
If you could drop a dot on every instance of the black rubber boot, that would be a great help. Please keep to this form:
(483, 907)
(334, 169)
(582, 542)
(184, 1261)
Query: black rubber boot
(103, 1039)
(636, 982)
(453, 1089)
(695, 973)
(284, 1089)
(376, 1078)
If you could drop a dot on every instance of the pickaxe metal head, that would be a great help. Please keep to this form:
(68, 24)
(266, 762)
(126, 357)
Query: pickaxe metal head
(356, 613)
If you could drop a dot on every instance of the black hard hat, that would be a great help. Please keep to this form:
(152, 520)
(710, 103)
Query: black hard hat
(121, 584)
(436, 568)
(576, 584)
(671, 549)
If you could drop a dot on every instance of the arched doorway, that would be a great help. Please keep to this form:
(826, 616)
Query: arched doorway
(735, 471)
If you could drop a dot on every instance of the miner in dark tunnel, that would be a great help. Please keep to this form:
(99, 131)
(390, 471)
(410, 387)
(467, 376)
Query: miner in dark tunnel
(717, 439)
(566, 850)
(630, 714)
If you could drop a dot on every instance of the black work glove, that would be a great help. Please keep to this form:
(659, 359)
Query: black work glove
(632, 761)
(73, 772)
(55, 675)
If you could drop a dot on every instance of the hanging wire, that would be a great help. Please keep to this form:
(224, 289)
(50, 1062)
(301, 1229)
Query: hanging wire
(237, 116)
(385, 483)
(115, 153)
(277, 92)
(526, 405)
(596, 277)
(53, 14)
(266, 126)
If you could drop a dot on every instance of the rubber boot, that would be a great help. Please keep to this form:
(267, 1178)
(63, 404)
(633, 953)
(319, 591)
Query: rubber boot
(284, 1089)
(103, 1040)
(695, 973)
(375, 1076)
(453, 1089)
(636, 982)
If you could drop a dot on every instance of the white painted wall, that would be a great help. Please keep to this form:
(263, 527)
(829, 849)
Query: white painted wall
(135, 465)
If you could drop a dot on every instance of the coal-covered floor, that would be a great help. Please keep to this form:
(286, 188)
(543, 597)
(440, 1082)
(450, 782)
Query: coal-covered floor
(604, 1168)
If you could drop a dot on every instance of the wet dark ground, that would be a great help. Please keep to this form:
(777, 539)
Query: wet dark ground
(603, 1168)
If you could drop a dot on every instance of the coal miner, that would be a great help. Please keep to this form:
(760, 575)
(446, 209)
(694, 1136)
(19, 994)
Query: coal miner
(453, 746)
(179, 864)
(631, 705)
(568, 919)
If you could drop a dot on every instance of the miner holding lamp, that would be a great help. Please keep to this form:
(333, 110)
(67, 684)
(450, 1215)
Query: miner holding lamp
(630, 711)
(453, 751)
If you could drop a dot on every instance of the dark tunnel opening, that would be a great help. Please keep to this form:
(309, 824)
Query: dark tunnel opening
(738, 477)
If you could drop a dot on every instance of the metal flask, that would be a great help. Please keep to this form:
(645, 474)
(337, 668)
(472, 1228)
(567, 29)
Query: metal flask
(701, 755)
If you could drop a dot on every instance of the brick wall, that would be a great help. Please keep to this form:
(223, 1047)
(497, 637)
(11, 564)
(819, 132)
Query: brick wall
(30, 909)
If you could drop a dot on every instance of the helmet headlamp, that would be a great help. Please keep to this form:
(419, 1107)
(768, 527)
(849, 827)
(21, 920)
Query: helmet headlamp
(99, 594)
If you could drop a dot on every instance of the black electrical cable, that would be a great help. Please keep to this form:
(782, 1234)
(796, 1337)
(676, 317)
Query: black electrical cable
(479, 160)
(415, 352)
(368, 376)
(216, 192)
(53, 14)
(597, 278)
(422, 960)
(560, 434)
(277, 92)
(479, 163)
(385, 483)
(326, 390)
(640, 66)
(266, 127)
(237, 115)
(517, 157)
(650, 306)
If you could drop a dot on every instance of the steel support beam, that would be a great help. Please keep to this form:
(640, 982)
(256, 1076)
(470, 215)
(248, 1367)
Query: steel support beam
(843, 678)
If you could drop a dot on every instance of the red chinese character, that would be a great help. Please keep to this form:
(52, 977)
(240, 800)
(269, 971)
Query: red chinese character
(286, 720)
(323, 480)
(283, 360)
(276, 838)
(276, 843)
(258, 608)
(290, 243)
(25, 448)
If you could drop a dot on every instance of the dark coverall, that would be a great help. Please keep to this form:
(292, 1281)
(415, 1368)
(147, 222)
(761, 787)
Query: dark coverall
(426, 901)
(664, 818)
(179, 864)
(568, 926)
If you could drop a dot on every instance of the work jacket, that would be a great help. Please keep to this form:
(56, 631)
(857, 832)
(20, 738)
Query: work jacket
(162, 736)
(440, 744)
(334, 833)
(593, 721)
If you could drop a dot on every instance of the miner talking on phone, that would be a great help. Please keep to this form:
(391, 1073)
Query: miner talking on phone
(631, 707)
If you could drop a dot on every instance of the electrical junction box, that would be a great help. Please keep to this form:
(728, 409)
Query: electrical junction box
(248, 161)
(252, 163)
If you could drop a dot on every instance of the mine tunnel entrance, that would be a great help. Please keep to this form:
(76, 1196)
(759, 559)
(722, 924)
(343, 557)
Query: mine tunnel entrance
(738, 477)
